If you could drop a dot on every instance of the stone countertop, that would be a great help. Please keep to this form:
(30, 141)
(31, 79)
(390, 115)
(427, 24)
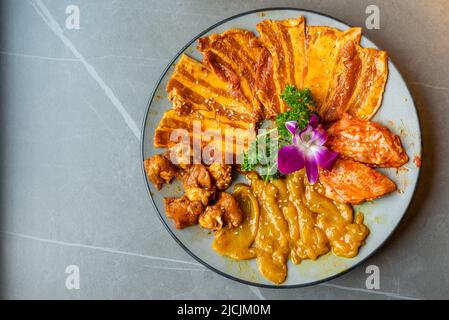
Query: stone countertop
(72, 189)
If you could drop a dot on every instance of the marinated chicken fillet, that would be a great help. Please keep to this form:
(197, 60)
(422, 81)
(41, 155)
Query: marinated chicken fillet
(159, 170)
(366, 142)
(182, 211)
(354, 182)
(224, 213)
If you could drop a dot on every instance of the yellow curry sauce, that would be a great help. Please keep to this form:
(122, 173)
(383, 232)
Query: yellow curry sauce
(236, 242)
(289, 218)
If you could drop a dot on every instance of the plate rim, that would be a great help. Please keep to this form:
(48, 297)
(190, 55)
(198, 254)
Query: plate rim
(173, 235)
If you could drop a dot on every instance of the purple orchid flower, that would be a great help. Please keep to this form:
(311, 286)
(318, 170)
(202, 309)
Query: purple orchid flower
(307, 150)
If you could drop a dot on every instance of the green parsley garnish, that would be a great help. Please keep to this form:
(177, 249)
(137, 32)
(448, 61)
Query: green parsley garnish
(300, 102)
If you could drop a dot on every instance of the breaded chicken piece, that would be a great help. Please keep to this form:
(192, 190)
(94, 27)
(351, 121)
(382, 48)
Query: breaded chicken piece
(160, 170)
(197, 184)
(221, 175)
(183, 211)
(224, 213)
(197, 175)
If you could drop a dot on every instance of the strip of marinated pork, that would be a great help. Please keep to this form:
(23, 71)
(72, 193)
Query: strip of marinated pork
(343, 76)
(202, 103)
(285, 64)
(233, 57)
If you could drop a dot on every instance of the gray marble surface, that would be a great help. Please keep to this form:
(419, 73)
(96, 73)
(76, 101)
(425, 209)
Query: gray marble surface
(72, 102)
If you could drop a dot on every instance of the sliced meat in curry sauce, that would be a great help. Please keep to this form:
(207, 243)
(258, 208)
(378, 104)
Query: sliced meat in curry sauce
(237, 243)
(344, 233)
(289, 218)
(312, 242)
(272, 241)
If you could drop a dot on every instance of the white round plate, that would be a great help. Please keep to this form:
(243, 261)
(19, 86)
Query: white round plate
(382, 216)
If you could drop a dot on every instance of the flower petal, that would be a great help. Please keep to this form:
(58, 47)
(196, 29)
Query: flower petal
(324, 157)
(311, 167)
(313, 121)
(306, 134)
(291, 126)
(290, 159)
(320, 136)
